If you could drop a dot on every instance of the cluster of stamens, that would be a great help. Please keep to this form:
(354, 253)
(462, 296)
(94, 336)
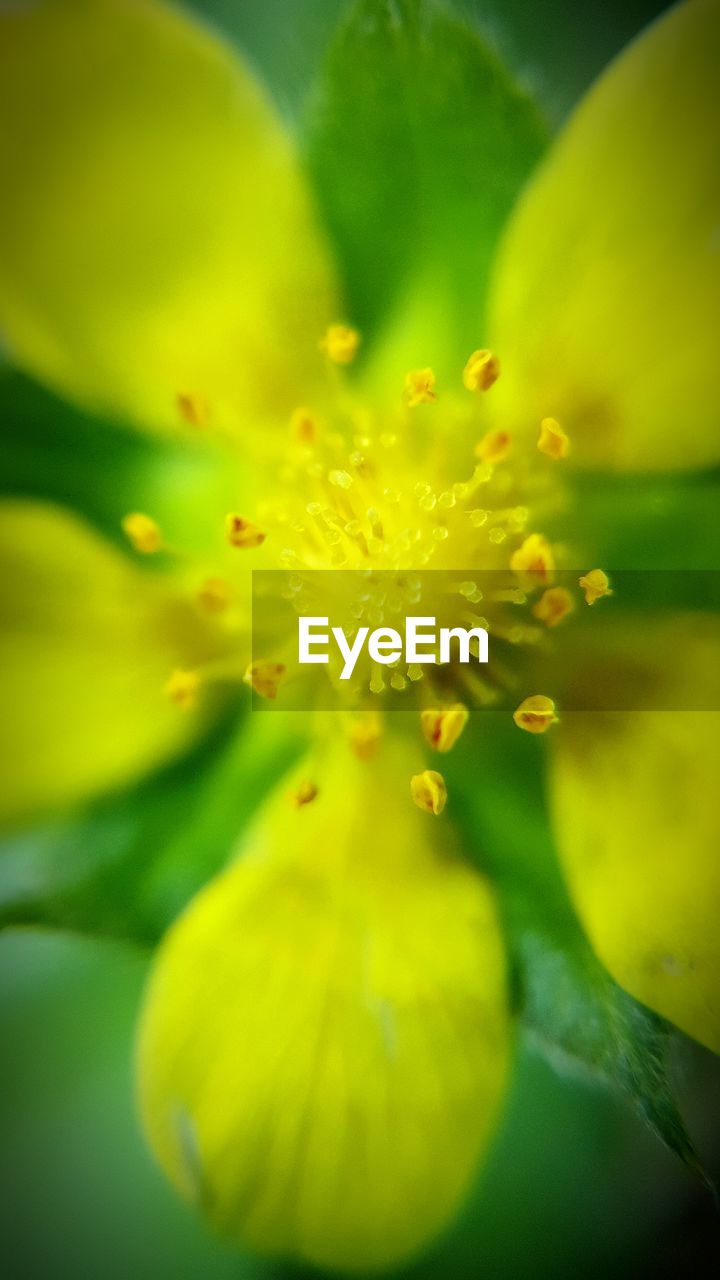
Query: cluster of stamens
(384, 503)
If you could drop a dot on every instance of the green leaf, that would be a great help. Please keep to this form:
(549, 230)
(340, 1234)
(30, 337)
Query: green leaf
(649, 522)
(560, 46)
(126, 866)
(565, 997)
(580, 1016)
(418, 142)
(284, 41)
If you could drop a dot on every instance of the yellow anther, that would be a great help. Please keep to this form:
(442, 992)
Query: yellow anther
(595, 584)
(215, 595)
(494, 446)
(305, 794)
(419, 387)
(193, 409)
(182, 688)
(554, 605)
(535, 714)
(364, 734)
(303, 427)
(534, 558)
(442, 728)
(265, 677)
(242, 533)
(340, 343)
(481, 371)
(428, 790)
(143, 532)
(553, 441)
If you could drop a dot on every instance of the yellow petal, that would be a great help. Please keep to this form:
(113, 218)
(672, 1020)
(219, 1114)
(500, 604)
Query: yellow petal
(324, 1039)
(604, 309)
(87, 642)
(638, 826)
(157, 246)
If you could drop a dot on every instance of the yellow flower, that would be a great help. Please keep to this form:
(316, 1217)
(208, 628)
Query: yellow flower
(325, 1037)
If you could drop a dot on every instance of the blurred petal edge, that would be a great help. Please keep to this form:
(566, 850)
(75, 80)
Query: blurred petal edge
(87, 642)
(605, 296)
(157, 245)
(634, 797)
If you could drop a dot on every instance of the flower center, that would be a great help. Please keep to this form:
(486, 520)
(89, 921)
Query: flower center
(419, 512)
(427, 509)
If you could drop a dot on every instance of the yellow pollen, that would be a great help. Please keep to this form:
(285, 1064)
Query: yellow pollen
(340, 343)
(182, 687)
(428, 790)
(215, 595)
(442, 728)
(193, 409)
(595, 584)
(305, 794)
(535, 714)
(303, 427)
(481, 371)
(243, 533)
(143, 532)
(494, 446)
(534, 557)
(553, 441)
(364, 734)
(419, 387)
(265, 677)
(554, 605)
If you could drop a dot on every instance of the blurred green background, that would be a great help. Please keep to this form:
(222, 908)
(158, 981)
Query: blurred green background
(575, 1184)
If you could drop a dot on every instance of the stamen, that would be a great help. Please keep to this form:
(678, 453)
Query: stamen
(143, 532)
(364, 734)
(350, 495)
(419, 387)
(305, 794)
(429, 792)
(243, 533)
(534, 557)
(340, 343)
(215, 595)
(193, 409)
(553, 441)
(494, 447)
(554, 605)
(481, 371)
(182, 688)
(595, 584)
(265, 677)
(303, 427)
(535, 714)
(442, 728)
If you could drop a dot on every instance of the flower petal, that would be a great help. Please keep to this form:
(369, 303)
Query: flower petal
(86, 644)
(605, 296)
(156, 237)
(324, 1040)
(638, 827)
